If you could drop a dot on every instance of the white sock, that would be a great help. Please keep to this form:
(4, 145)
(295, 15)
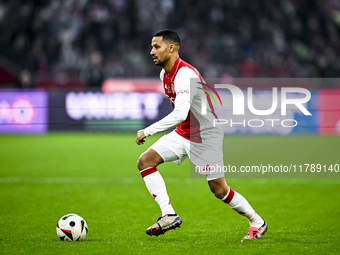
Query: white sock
(237, 202)
(156, 186)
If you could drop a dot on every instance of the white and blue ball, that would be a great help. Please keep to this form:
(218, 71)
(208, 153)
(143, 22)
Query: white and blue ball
(72, 227)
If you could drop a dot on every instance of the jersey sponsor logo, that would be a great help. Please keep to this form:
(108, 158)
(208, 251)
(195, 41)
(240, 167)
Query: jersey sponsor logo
(183, 91)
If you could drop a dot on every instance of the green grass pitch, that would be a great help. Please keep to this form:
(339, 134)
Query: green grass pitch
(95, 175)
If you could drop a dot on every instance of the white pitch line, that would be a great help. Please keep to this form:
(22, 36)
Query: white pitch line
(138, 179)
(84, 180)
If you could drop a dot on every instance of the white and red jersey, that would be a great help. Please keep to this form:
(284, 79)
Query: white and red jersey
(186, 100)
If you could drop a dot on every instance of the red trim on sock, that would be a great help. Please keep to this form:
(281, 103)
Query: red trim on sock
(230, 196)
(148, 171)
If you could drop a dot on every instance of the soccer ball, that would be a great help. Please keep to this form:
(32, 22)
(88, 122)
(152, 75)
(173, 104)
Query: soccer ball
(72, 227)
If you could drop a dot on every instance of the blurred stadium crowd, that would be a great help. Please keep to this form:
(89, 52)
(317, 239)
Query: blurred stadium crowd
(94, 40)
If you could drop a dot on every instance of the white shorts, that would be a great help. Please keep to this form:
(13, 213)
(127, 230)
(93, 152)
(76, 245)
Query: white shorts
(173, 147)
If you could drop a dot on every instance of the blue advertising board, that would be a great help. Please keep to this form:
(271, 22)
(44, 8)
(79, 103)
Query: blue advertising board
(23, 111)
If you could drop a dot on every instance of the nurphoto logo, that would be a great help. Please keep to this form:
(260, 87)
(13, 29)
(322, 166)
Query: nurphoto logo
(238, 104)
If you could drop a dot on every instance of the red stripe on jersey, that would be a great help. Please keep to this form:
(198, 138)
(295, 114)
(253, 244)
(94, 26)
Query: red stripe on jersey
(148, 171)
(190, 128)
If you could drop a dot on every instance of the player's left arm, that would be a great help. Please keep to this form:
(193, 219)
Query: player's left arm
(178, 115)
(181, 110)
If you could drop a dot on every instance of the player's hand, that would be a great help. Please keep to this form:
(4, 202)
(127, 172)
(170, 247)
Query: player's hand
(140, 137)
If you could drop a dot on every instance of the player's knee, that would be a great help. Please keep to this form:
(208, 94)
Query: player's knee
(145, 162)
(141, 163)
(218, 190)
(150, 158)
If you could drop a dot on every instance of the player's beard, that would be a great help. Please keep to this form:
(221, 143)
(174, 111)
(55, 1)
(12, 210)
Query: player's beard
(159, 63)
(165, 58)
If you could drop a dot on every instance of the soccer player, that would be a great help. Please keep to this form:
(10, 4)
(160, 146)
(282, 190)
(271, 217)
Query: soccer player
(194, 137)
